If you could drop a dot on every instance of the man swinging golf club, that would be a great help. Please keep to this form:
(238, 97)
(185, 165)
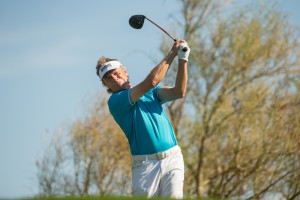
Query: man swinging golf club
(157, 162)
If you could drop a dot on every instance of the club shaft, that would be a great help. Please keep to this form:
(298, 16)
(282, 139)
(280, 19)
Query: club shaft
(161, 28)
(184, 49)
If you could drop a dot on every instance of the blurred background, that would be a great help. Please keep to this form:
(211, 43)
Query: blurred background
(244, 81)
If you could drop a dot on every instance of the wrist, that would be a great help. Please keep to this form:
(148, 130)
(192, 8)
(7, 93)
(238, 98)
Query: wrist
(172, 54)
(183, 60)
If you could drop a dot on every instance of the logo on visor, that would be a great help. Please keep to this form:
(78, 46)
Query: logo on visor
(105, 67)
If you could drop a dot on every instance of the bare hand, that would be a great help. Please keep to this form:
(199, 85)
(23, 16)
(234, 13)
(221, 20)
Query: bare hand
(176, 45)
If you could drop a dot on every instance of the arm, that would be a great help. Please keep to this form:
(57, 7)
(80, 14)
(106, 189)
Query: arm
(178, 91)
(166, 94)
(155, 76)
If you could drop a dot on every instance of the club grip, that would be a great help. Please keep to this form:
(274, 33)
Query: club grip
(184, 49)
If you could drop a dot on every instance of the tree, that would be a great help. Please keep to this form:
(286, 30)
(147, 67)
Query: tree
(94, 158)
(238, 124)
(236, 64)
(49, 173)
(100, 154)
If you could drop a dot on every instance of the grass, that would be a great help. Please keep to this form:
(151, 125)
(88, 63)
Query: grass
(93, 198)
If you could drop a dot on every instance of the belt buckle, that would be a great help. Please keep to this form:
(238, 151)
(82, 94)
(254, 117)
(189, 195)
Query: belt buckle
(160, 156)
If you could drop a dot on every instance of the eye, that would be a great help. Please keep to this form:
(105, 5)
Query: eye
(107, 78)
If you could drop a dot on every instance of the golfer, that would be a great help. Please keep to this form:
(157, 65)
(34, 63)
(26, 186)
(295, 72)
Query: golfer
(157, 162)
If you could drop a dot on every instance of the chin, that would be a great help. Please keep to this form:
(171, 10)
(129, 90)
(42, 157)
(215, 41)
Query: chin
(126, 85)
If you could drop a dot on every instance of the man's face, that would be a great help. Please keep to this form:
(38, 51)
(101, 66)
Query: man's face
(116, 79)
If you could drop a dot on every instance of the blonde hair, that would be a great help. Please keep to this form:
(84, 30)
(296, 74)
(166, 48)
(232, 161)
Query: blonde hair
(100, 62)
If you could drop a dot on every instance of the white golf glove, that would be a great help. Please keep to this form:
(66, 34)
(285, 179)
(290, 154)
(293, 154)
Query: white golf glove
(183, 55)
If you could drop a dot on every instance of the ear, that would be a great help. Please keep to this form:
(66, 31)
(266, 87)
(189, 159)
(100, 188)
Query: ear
(104, 82)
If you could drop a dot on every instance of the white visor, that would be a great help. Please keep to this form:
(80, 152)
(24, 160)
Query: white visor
(108, 66)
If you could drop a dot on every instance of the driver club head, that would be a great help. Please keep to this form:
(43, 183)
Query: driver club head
(137, 21)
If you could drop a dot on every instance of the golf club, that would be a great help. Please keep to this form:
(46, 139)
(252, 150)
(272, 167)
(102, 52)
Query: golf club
(137, 22)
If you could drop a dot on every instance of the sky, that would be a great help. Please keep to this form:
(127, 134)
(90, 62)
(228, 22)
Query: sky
(48, 53)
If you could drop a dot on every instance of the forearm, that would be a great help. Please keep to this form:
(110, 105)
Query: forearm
(159, 72)
(178, 91)
(156, 75)
(181, 78)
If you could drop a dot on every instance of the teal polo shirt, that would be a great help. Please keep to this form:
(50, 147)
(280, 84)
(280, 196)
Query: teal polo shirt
(144, 123)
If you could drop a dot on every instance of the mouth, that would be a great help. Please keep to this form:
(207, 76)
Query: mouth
(124, 82)
(120, 82)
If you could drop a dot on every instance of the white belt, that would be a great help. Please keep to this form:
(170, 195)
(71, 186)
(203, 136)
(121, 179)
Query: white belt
(159, 155)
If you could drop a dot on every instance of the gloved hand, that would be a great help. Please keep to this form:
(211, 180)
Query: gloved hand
(183, 55)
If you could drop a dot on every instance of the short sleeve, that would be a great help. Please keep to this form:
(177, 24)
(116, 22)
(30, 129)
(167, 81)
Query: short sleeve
(156, 95)
(119, 102)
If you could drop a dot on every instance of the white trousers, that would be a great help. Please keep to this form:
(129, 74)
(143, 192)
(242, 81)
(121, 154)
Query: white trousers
(158, 175)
